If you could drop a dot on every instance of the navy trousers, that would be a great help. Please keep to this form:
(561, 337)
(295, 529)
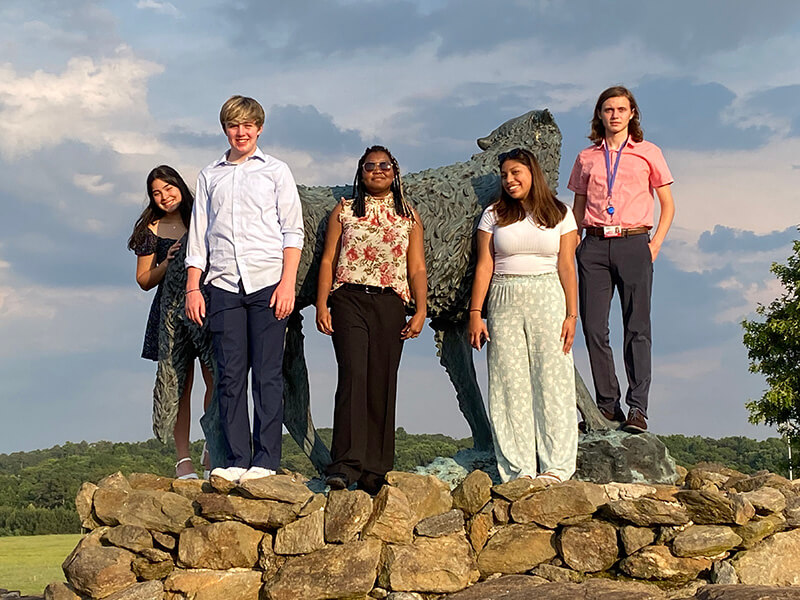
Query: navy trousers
(247, 336)
(623, 264)
(366, 340)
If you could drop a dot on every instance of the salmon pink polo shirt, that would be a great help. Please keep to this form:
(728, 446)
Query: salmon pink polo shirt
(641, 169)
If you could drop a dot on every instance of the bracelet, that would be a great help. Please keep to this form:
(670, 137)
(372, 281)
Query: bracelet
(474, 310)
(194, 290)
(572, 317)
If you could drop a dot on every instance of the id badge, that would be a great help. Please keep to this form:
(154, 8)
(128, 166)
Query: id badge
(612, 231)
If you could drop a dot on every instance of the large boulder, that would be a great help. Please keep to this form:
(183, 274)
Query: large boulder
(554, 505)
(99, 571)
(337, 571)
(346, 513)
(437, 565)
(129, 537)
(658, 563)
(154, 510)
(704, 540)
(707, 507)
(516, 549)
(589, 547)
(605, 456)
(775, 561)
(224, 545)
(443, 524)
(212, 585)
(269, 514)
(427, 495)
(473, 493)
(282, 488)
(302, 536)
(646, 512)
(392, 519)
(146, 590)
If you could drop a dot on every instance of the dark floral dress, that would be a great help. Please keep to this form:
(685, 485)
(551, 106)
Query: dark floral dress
(160, 246)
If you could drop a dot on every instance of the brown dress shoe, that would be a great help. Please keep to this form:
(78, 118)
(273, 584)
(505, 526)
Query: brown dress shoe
(617, 415)
(635, 423)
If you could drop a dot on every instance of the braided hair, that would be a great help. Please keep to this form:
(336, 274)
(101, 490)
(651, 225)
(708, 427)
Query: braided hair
(401, 207)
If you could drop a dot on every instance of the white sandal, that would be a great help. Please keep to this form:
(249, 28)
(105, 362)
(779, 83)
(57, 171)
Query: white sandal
(191, 475)
(548, 478)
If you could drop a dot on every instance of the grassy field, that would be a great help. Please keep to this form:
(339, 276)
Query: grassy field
(29, 563)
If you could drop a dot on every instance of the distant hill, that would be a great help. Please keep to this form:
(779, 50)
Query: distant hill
(37, 488)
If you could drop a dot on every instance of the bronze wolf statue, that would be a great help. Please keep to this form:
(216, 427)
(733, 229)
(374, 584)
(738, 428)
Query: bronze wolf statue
(450, 201)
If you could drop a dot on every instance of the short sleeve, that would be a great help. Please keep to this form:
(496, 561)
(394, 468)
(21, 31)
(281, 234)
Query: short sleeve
(567, 223)
(146, 244)
(659, 171)
(488, 220)
(577, 182)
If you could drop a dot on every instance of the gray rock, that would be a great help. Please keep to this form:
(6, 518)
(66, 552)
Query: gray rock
(554, 505)
(704, 540)
(557, 574)
(605, 456)
(302, 536)
(658, 563)
(337, 571)
(213, 585)
(392, 519)
(99, 571)
(444, 524)
(346, 513)
(224, 545)
(722, 572)
(435, 565)
(635, 538)
(590, 547)
(473, 493)
(775, 561)
(646, 512)
(516, 549)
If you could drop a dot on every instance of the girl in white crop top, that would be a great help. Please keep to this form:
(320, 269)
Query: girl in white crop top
(526, 263)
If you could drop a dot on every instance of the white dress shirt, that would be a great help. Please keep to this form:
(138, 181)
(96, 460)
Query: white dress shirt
(244, 215)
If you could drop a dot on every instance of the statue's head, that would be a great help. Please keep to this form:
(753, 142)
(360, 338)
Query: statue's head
(514, 131)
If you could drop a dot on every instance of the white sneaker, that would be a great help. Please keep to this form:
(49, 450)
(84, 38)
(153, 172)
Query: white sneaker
(256, 473)
(231, 474)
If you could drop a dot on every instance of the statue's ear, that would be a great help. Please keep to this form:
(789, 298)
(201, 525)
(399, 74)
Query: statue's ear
(485, 143)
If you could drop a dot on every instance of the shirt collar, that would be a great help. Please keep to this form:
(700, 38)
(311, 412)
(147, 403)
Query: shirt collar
(257, 154)
(629, 144)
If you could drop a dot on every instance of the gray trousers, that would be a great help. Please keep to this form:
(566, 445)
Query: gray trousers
(625, 265)
(531, 381)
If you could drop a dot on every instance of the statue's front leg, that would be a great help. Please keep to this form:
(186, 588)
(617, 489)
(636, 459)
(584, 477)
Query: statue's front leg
(297, 398)
(455, 355)
(594, 420)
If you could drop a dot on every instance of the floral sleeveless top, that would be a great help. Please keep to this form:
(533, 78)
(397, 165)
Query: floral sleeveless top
(374, 247)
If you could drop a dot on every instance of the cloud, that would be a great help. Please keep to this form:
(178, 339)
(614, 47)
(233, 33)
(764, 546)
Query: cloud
(93, 184)
(723, 238)
(306, 128)
(99, 103)
(162, 8)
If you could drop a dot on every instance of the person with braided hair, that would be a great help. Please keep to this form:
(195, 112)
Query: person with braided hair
(372, 266)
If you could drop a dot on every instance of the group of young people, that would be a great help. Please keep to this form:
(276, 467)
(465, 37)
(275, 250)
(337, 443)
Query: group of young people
(242, 235)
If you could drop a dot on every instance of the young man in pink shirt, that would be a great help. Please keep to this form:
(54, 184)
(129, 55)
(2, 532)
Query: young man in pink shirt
(613, 180)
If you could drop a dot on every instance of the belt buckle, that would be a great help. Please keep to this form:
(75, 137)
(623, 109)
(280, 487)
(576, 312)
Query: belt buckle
(370, 289)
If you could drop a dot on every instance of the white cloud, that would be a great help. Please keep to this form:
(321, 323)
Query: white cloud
(164, 8)
(97, 102)
(93, 184)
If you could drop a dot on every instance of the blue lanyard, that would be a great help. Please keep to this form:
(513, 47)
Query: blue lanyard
(612, 176)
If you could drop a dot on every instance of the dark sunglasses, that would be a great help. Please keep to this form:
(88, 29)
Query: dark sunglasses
(383, 166)
(511, 154)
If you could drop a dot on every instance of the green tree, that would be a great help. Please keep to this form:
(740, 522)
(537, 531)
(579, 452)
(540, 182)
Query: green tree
(773, 346)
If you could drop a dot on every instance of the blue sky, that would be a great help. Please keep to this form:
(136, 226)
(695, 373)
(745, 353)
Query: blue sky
(93, 94)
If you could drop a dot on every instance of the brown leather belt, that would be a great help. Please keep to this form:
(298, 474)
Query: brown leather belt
(598, 231)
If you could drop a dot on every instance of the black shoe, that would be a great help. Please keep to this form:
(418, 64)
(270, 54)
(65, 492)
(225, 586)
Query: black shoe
(371, 485)
(635, 423)
(336, 481)
(617, 415)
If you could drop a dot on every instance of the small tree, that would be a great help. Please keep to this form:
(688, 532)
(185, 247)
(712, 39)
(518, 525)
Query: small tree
(773, 347)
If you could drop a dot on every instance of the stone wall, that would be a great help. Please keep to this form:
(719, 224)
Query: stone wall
(157, 538)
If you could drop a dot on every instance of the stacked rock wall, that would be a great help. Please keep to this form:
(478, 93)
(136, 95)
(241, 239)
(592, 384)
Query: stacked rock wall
(157, 538)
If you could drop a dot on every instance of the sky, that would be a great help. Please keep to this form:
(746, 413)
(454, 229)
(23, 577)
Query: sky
(93, 94)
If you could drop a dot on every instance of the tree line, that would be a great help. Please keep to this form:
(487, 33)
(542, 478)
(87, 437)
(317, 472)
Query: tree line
(37, 488)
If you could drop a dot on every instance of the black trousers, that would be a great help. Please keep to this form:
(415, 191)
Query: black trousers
(247, 336)
(625, 265)
(366, 340)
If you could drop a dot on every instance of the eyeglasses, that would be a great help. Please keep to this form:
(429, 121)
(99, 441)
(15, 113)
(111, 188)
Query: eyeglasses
(511, 154)
(383, 166)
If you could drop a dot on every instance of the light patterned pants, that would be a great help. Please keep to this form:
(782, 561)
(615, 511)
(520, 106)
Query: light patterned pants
(531, 381)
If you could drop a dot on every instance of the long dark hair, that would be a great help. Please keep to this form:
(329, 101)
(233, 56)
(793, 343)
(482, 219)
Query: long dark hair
(598, 132)
(541, 202)
(359, 193)
(152, 213)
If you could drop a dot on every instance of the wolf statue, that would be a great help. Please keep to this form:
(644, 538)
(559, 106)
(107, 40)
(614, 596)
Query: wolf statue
(450, 201)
